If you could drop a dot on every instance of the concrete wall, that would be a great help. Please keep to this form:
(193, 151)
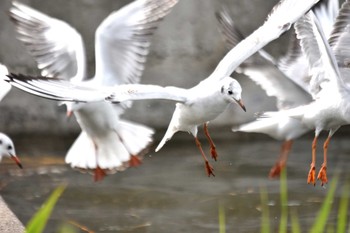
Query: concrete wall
(185, 50)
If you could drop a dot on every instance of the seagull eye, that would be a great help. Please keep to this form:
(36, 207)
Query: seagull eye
(0, 142)
(230, 92)
(9, 147)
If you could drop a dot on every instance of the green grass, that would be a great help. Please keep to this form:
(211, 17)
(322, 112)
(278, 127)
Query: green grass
(321, 223)
(38, 222)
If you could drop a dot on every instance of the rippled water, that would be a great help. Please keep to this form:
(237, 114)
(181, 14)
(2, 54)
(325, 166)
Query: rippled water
(170, 191)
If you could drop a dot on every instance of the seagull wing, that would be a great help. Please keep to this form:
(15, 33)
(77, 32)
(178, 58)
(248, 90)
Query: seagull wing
(294, 64)
(57, 89)
(322, 62)
(340, 40)
(326, 12)
(232, 35)
(123, 40)
(282, 16)
(143, 91)
(57, 47)
(63, 90)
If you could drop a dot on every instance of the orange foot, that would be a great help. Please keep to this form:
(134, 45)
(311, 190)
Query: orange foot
(322, 175)
(276, 170)
(311, 177)
(209, 169)
(134, 161)
(214, 154)
(99, 174)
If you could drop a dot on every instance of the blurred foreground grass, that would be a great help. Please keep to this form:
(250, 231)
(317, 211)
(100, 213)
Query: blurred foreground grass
(320, 223)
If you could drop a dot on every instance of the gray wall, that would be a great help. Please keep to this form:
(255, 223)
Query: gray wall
(185, 50)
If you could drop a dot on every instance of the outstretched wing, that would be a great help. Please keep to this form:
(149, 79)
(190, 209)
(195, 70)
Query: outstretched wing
(232, 35)
(57, 89)
(57, 47)
(63, 90)
(123, 40)
(282, 16)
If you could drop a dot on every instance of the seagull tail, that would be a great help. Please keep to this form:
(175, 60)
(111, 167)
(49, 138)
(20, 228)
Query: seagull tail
(82, 153)
(168, 135)
(263, 125)
(113, 152)
(136, 138)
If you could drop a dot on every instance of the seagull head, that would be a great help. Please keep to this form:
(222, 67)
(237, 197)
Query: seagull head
(7, 149)
(233, 90)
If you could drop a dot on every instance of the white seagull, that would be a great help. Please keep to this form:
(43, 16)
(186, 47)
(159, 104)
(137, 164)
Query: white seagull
(7, 149)
(285, 79)
(328, 62)
(195, 106)
(107, 143)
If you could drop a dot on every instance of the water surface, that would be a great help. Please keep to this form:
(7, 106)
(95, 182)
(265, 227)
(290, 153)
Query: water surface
(170, 192)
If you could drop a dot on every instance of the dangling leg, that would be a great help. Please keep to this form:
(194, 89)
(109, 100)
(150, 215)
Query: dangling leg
(282, 160)
(209, 169)
(134, 161)
(99, 173)
(213, 152)
(311, 177)
(322, 174)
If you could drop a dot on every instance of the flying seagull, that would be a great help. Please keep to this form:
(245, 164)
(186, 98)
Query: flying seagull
(195, 106)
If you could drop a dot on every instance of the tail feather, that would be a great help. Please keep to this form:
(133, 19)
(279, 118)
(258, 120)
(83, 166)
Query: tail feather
(168, 135)
(113, 150)
(135, 137)
(259, 126)
(82, 153)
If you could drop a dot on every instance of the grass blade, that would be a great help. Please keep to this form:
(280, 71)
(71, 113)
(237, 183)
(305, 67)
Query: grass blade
(38, 222)
(343, 209)
(222, 221)
(265, 215)
(322, 216)
(284, 202)
(295, 222)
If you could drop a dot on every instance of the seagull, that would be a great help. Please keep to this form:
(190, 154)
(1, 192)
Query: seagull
(284, 79)
(7, 149)
(107, 143)
(195, 106)
(328, 66)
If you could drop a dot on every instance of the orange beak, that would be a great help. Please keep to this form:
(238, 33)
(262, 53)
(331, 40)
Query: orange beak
(240, 103)
(15, 158)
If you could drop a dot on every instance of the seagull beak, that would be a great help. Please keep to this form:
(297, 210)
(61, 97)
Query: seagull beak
(240, 103)
(15, 158)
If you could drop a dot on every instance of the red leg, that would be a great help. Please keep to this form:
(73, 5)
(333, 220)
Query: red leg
(311, 177)
(213, 152)
(322, 174)
(134, 161)
(209, 169)
(99, 174)
(282, 160)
